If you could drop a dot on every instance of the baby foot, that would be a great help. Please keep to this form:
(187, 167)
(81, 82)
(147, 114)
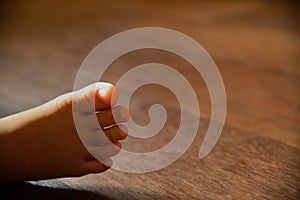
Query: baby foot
(43, 142)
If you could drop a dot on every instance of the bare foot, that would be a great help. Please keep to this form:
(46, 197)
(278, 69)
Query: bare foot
(43, 142)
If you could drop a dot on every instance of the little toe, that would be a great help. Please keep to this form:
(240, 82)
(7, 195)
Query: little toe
(95, 166)
(106, 151)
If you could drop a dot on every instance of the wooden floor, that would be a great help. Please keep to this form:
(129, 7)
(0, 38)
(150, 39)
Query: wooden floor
(255, 45)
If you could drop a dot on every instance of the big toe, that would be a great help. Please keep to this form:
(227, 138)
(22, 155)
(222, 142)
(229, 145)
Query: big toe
(98, 96)
(106, 96)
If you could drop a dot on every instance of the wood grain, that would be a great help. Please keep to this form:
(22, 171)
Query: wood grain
(256, 47)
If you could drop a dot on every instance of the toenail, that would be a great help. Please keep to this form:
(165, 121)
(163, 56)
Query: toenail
(122, 134)
(124, 114)
(124, 129)
(103, 91)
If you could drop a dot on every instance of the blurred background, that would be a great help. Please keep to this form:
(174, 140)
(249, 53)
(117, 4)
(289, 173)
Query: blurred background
(255, 45)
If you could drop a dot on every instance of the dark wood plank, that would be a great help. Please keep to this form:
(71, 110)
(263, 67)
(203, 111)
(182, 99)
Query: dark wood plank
(256, 47)
(242, 166)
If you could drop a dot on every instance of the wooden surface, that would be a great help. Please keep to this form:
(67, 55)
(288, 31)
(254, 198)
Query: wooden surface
(256, 47)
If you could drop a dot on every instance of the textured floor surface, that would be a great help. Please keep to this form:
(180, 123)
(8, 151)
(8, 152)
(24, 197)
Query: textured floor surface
(255, 45)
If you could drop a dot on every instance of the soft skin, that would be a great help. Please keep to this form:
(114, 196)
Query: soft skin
(43, 142)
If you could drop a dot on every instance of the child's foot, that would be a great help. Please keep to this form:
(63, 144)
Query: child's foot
(43, 142)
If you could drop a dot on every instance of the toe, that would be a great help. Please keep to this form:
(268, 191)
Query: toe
(98, 96)
(116, 115)
(106, 96)
(106, 151)
(95, 166)
(116, 133)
